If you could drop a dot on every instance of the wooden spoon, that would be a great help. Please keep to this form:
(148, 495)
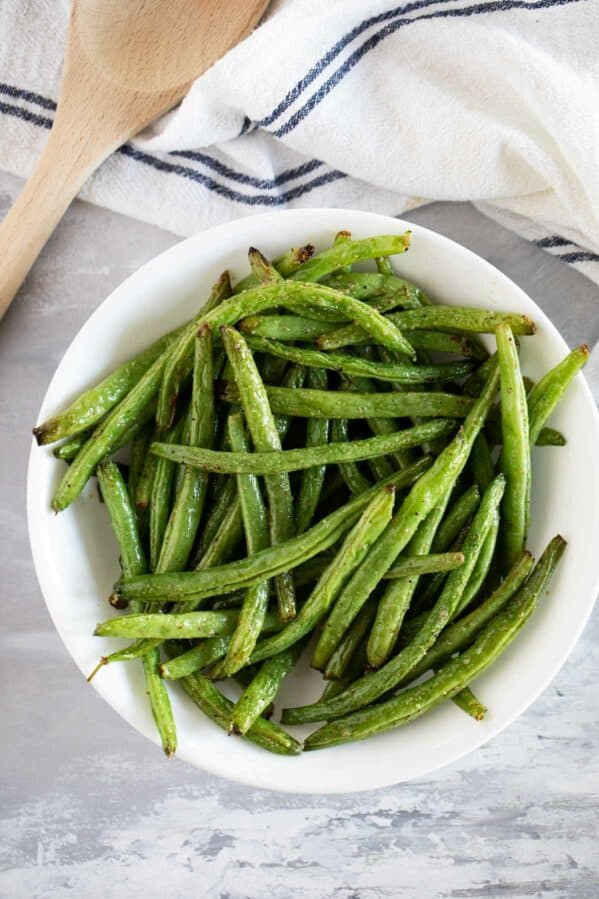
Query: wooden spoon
(125, 64)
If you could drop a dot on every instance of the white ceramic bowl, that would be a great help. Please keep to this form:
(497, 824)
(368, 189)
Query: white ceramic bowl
(76, 556)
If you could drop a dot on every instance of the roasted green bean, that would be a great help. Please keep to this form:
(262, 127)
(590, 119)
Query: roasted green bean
(285, 557)
(87, 410)
(424, 496)
(515, 458)
(269, 463)
(262, 689)
(265, 437)
(255, 523)
(317, 434)
(187, 509)
(453, 676)
(355, 547)
(374, 684)
(402, 373)
(181, 356)
(307, 403)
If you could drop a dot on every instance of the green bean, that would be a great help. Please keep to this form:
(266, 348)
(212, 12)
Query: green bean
(235, 575)
(469, 703)
(460, 634)
(271, 370)
(355, 636)
(180, 469)
(458, 516)
(425, 564)
(173, 625)
(189, 503)
(442, 342)
(160, 703)
(546, 437)
(285, 327)
(343, 335)
(145, 481)
(424, 496)
(160, 502)
(380, 467)
(306, 403)
(255, 523)
(351, 365)
(99, 444)
(262, 689)
(310, 571)
(426, 595)
(453, 676)
(347, 252)
(461, 319)
(69, 449)
(343, 237)
(122, 517)
(285, 265)
(269, 463)
(550, 437)
(107, 434)
(357, 665)
(370, 286)
(208, 651)
(317, 434)
(476, 381)
(369, 316)
(133, 562)
(225, 540)
(294, 379)
(374, 684)
(244, 678)
(331, 338)
(181, 356)
(262, 268)
(383, 265)
(139, 449)
(195, 659)
(355, 547)
(515, 458)
(265, 437)
(381, 426)
(545, 395)
(218, 512)
(481, 568)
(217, 707)
(353, 478)
(293, 296)
(481, 462)
(396, 598)
(87, 410)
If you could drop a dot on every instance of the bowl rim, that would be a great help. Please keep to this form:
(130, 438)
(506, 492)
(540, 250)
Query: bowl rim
(35, 527)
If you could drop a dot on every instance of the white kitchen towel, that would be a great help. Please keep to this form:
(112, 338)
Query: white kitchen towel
(360, 103)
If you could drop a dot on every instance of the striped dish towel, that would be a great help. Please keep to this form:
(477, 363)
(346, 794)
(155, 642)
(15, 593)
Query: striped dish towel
(358, 103)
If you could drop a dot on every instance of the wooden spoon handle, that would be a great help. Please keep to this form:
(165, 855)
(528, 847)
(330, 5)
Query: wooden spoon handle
(56, 179)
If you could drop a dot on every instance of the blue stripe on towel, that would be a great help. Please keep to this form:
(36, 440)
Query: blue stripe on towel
(210, 184)
(375, 39)
(204, 158)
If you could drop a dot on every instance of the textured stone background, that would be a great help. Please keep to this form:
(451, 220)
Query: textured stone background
(88, 808)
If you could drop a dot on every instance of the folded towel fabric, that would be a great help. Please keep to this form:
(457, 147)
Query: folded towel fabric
(359, 103)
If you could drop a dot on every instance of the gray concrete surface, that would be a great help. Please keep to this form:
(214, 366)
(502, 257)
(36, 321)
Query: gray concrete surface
(89, 808)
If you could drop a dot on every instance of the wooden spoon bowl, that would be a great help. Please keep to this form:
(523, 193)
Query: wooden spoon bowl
(125, 65)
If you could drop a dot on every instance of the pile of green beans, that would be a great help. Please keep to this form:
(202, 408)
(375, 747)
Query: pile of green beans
(321, 451)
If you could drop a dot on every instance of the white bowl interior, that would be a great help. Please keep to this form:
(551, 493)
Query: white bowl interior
(76, 556)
